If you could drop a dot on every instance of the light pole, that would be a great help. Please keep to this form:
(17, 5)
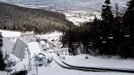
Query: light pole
(36, 63)
(29, 58)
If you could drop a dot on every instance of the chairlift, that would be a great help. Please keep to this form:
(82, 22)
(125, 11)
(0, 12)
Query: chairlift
(127, 32)
(127, 35)
(104, 41)
(111, 37)
(90, 45)
(101, 38)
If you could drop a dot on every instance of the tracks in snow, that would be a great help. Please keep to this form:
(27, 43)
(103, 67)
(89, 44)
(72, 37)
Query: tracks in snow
(66, 66)
(90, 69)
(101, 69)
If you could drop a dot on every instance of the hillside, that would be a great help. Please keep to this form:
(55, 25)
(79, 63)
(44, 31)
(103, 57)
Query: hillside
(14, 17)
(90, 5)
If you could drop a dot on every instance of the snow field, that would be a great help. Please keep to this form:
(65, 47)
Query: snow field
(99, 62)
(10, 34)
(53, 68)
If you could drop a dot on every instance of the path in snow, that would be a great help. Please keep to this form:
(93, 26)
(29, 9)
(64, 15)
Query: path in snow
(92, 61)
(55, 69)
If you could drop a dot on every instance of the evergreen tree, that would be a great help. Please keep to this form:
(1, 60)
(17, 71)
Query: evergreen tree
(117, 32)
(2, 64)
(107, 27)
(127, 47)
(107, 17)
(106, 14)
(128, 19)
(95, 31)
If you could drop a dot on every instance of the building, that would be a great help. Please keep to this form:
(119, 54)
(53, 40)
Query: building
(19, 48)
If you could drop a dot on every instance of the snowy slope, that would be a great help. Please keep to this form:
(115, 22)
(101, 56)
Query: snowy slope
(3, 73)
(50, 36)
(10, 34)
(34, 48)
(9, 39)
(8, 45)
(100, 62)
(55, 69)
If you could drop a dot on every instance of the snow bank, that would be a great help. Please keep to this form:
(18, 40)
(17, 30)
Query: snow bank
(13, 58)
(34, 48)
(3, 73)
(10, 34)
(50, 36)
(8, 45)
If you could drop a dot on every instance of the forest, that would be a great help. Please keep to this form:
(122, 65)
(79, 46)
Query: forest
(113, 35)
(18, 18)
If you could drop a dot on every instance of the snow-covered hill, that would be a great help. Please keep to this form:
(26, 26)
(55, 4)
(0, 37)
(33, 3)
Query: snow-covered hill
(53, 68)
(65, 4)
(10, 34)
(73, 9)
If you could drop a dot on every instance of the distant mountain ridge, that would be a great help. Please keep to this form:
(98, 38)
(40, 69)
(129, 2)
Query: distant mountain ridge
(14, 17)
(67, 4)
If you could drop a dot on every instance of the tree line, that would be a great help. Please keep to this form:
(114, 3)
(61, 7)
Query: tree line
(113, 34)
(18, 18)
